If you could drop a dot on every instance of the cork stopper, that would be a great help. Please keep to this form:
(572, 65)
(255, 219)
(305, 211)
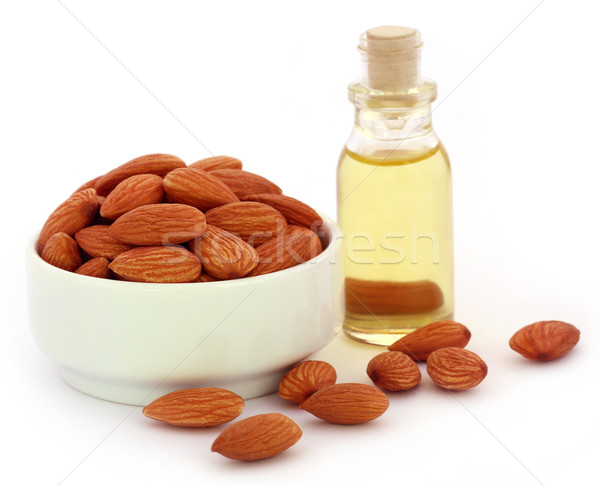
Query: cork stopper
(391, 57)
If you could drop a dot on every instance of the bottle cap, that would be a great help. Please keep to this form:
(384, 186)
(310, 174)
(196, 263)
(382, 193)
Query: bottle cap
(391, 57)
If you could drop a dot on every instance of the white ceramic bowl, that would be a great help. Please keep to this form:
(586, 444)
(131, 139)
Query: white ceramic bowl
(132, 342)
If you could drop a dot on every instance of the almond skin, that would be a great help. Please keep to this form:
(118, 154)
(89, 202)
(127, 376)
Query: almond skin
(223, 255)
(347, 403)
(159, 164)
(197, 188)
(456, 368)
(205, 277)
(97, 242)
(420, 343)
(295, 212)
(196, 407)
(394, 371)
(244, 183)
(381, 297)
(96, 267)
(545, 340)
(257, 437)
(217, 162)
(159, 224)
(158, 264)
(296, 245)
(253, 222)
(306, 378)
(62, 251)
(133, 192)
(75, 213)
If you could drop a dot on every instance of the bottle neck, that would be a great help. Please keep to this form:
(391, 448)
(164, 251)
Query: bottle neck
(393, 124)
(399, 115)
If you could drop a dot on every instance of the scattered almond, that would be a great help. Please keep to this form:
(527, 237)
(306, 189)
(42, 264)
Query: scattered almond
(420, 343)
(244, 183)
(456, 368)
(159, 264)
(196, 407)
(62, 251)
(304, 379)
(133, 192)
(96, 267)
(257, 437)
(394, 371)
(346, 403)
(159, 224)
(545, 340)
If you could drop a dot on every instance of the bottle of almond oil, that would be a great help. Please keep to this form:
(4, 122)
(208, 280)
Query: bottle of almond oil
(394, 196)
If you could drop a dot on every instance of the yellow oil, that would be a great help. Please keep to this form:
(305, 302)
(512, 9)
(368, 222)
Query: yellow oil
(395, 211)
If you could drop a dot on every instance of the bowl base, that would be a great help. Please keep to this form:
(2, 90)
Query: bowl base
(141, 394)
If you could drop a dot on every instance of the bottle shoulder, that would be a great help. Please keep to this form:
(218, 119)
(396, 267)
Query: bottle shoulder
(393, 152)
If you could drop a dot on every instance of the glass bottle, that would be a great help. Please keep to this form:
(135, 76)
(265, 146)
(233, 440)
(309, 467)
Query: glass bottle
(394, 196)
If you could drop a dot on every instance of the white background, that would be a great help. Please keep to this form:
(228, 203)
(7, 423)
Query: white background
(86, 86)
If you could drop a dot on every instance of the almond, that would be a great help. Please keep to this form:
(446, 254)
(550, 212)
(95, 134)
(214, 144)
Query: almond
(97, 242)
(244, 183)
(205, 277)
(304, 379)
(456, 368)
(96, 267)
(296, 245)
(346, 403)
(133, 192)
(75, 213)
(295, 212)
(158, 224)
(545, 340)
(380, 297)
(257, 437)
(394, 371)
(196, 407)
(197, 188)
(62, 251)
(159, 164)
(255, 223)
(217, 162)
(420, 343)
(164, 264)
(222, 254)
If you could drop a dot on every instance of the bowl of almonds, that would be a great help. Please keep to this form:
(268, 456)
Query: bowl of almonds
(160, 275)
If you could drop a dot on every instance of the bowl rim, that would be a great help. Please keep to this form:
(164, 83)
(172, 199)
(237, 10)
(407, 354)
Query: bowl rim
(328, 253)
